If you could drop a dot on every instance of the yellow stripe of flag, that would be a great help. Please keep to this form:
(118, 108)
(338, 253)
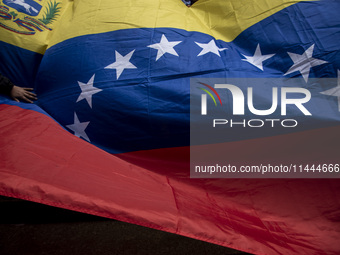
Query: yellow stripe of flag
(222, 19)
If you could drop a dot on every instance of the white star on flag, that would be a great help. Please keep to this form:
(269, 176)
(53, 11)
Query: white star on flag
(209, 47)
(258, 58)
(122, 62)
(79, 128)
(87, 91)
(303, 63)
(334, 91)
(164, 46)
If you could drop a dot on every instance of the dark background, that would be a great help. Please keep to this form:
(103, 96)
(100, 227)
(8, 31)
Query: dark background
(30, 228)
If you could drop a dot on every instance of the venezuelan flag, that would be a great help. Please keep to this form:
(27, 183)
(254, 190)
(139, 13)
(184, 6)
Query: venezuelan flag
(110, 132)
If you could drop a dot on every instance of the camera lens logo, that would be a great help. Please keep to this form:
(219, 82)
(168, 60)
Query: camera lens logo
(204, 97)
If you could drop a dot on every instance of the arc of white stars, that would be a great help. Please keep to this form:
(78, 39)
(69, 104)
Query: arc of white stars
(121, 63)
(303, 63)
(79, 128)
(210, 47)
(87, 91)
(334, 91)
(164, 46)
(257, 59)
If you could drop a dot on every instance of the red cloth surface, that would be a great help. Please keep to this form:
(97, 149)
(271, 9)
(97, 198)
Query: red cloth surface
(42, 162)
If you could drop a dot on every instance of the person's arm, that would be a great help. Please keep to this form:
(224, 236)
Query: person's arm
(16, 93)
(5, 85)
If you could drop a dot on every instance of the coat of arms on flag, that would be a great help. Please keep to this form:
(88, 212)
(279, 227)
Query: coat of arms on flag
(26, 17)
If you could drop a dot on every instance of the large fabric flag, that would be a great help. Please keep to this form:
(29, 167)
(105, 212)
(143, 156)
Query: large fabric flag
(110, 132)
